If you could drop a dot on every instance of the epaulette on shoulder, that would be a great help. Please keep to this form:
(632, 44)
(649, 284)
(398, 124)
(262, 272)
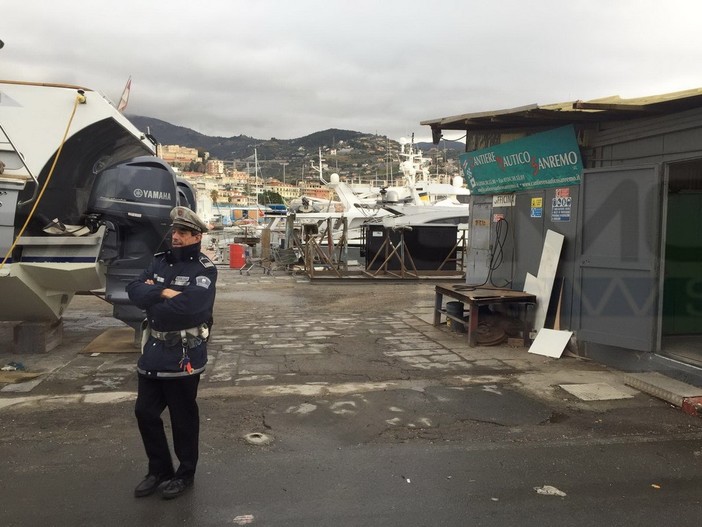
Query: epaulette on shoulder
(205, 261)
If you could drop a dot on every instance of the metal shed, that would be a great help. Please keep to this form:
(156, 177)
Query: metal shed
(631, 266)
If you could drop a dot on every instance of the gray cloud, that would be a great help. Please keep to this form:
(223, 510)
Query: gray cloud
(285, 69)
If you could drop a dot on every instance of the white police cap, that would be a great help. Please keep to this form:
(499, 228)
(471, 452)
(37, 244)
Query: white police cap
(185, 218)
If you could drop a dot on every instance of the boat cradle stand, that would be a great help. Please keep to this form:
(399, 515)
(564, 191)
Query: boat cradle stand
(31, 337)
(473, 297)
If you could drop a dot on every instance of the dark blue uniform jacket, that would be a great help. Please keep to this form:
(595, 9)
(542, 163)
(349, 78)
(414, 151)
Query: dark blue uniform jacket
(183, 269)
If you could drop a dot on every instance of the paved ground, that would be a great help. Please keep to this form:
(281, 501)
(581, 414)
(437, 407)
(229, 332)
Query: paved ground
(360, 350)
(302, 372)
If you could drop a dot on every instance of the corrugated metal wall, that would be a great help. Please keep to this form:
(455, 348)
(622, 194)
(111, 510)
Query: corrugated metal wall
(665, 139)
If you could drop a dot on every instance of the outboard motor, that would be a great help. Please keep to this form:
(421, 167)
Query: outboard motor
(186, 194)
(134, 200)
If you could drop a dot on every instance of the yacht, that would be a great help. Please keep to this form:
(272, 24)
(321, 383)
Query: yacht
(418, 201)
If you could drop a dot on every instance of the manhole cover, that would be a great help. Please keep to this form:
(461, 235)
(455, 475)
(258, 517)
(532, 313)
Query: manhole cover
(258, 438)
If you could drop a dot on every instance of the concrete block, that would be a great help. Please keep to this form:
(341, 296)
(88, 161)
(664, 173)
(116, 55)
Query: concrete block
(37, 337)
(663, 387)
(7, 337)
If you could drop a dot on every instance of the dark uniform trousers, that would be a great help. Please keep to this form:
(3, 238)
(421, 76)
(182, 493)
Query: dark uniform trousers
(179, 395)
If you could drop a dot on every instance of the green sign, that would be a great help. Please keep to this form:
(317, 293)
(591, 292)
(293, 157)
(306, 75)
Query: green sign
(548, 159)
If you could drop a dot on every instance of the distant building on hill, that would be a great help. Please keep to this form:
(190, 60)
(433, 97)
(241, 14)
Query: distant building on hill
(285, 190)
(214, 167)
(175, 154)
(314, 189)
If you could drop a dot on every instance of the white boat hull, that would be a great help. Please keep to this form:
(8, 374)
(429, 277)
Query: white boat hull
(82, 190)
(52, 270)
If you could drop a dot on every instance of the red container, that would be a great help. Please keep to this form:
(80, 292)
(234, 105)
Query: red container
(237, 255)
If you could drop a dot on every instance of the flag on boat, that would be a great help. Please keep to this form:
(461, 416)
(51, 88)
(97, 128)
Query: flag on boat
(125, 96)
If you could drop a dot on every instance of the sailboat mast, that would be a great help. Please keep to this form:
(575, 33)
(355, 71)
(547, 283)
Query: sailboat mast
(256, 174)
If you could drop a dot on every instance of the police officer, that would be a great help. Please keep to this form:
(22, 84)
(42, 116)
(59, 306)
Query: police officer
(177, 291)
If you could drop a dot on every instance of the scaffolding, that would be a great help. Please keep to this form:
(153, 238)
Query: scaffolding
(325, 254)
(399, 253)
(320, 250)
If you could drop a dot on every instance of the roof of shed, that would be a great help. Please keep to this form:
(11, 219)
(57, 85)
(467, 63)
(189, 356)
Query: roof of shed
(596, 110)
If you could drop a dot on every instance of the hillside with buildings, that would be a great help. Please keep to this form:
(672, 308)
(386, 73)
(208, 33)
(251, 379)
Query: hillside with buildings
(223, 170)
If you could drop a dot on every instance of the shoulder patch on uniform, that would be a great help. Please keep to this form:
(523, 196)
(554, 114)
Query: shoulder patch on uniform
(205, 261)
(203, 281)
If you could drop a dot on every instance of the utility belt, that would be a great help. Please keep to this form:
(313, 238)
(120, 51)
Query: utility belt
(190, 337)
(169, 374)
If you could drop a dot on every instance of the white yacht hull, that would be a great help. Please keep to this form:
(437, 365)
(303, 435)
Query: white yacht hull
(51, 271)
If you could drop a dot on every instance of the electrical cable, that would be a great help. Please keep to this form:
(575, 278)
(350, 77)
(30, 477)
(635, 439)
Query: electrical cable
(458, 139)
(496, 257)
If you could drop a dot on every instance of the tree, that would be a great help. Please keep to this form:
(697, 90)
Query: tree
(268, 197)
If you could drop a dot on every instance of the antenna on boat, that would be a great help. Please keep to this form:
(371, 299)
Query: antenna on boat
(319, 168)
(256, 174)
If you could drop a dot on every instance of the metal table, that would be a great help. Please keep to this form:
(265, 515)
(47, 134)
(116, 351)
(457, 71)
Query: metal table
(474, 297)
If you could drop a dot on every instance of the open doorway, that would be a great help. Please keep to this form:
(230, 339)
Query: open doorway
(681, 322)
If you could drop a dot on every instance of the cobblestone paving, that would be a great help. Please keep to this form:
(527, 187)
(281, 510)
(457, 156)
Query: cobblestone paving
(395, 345)
(285, 330)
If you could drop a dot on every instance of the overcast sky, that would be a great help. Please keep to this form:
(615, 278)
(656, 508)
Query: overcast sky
(288, 68)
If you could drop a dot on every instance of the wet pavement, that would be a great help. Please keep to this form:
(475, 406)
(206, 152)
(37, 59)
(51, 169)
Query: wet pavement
(283, 334)
(301, 372)
(367, 346)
